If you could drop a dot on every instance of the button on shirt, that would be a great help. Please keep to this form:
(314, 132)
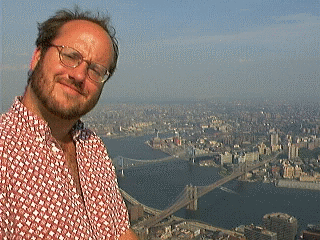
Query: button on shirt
(38, 197)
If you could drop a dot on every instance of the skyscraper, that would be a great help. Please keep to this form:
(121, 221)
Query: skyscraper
(293, 151)
(274, 139)
(283, 224)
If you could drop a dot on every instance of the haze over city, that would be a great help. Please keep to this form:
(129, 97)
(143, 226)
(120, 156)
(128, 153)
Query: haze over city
(186, 50)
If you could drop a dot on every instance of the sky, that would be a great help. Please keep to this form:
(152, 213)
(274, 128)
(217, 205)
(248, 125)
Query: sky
(183, 50)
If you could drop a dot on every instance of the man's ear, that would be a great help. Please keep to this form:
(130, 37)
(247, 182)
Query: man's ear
(35, 58)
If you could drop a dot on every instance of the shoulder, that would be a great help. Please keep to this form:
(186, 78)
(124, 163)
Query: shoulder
(6, 130)
(6, 120)
(8, 127)
(14, 120)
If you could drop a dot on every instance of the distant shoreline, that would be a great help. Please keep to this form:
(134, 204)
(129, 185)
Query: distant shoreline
(297, 184)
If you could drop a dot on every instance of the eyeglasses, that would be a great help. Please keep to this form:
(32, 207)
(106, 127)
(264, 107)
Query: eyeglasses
(72, 58)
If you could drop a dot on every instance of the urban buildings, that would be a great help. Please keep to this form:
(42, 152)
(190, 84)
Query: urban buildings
(312, 233)
(258, 233)
(283, 224)
(293, 151)
(240, 132)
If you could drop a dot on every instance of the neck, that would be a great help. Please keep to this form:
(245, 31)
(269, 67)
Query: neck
(60, 128)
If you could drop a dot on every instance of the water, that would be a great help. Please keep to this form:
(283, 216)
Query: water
(158, 185)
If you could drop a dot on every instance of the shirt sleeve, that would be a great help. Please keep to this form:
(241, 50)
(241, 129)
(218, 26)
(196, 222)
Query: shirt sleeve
(3, 225)
(120, 210)
(104, 202)
(3, 208)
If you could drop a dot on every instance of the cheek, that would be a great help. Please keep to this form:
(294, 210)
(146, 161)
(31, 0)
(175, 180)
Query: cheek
(52, 66)
(90, 89)
(96, 91)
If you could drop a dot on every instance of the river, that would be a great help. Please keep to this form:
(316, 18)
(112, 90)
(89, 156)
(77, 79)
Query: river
(158, 185)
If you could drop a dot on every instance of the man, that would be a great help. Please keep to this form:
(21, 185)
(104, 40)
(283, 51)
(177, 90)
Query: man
(57, 181)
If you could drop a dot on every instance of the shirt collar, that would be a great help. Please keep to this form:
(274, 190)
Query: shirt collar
(77, 129)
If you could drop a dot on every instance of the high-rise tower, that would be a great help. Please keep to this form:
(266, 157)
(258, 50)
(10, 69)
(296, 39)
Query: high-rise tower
(274, 139)
(293, 151)
(283, 224)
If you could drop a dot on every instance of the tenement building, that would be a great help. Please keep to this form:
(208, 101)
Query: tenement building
(283, 224)
(258, 233)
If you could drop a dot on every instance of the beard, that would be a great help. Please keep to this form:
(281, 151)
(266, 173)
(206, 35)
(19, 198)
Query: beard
(43, 88)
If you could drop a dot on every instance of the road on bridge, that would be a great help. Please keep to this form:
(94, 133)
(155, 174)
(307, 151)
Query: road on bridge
(202, 191)
(124, 163)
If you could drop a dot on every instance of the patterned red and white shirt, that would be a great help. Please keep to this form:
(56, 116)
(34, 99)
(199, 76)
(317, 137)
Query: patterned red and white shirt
(38, 197)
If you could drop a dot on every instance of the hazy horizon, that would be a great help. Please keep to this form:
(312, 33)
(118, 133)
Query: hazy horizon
(186, 50)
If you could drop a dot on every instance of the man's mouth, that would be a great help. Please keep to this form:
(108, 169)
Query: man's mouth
(70, 87)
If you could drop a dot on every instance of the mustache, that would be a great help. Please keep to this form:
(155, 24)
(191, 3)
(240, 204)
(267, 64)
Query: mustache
(70, 82)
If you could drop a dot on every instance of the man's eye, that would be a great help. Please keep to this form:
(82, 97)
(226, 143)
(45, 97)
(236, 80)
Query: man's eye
(70, 56)
(96, 72)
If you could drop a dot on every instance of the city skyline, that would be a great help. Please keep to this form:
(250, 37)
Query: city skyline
(176, 50)
(244, 130)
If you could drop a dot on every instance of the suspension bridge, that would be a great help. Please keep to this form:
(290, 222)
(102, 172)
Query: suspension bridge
(122, 163)
(154, 211)
(189, 196)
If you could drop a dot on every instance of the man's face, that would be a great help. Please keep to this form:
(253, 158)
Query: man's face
(68, 92)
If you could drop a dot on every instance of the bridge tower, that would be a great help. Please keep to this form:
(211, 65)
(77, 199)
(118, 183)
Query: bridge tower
(193, 153)
(243, 168)
(122, 172)
(192, 194)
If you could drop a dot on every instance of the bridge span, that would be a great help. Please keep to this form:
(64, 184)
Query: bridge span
(121, 162)
(190, 194)
(153, 211)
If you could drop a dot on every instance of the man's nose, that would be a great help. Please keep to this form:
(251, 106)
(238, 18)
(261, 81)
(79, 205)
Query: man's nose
(80, 73)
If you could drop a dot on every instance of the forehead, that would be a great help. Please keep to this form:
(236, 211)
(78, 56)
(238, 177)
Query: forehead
(87, 37)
